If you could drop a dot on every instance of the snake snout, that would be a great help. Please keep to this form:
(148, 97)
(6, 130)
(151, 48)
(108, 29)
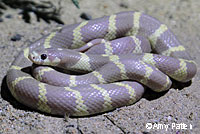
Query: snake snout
(33, 56)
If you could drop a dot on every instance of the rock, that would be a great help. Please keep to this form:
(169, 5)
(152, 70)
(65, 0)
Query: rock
(16, 37)
(86, 16)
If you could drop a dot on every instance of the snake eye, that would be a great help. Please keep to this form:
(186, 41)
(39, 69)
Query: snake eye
(43, 56)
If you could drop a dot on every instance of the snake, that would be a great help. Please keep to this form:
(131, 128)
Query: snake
(98, 65)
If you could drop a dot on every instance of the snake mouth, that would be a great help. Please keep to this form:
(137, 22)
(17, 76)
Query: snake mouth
(34, 57)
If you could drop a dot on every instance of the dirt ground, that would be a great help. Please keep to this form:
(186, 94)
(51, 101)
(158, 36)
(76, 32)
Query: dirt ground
(175, 107)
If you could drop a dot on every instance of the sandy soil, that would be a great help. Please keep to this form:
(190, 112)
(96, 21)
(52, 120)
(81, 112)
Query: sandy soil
(175, 106)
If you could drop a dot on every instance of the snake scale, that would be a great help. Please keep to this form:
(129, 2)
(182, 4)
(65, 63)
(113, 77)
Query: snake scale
(115, 69)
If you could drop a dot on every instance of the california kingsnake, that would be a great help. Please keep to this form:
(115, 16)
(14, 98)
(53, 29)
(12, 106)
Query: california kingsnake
(91, 93)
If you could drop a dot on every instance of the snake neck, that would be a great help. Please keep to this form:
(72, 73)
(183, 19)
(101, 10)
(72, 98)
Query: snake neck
(80, 62)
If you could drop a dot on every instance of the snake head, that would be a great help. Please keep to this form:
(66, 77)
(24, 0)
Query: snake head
(44, 57)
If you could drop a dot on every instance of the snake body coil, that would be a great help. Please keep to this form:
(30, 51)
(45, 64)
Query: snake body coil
(100, 89)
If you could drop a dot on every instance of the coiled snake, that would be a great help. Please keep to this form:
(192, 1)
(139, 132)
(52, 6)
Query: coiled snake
(115, 70)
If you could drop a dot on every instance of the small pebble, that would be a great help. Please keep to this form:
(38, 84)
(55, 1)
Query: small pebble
(16, 37)
(146, 132)
(124, 5)
(69, 126)
(1, 20)
(9, 16)
(86, 16)
(155, 121)
(169, 118)
(3, 113)
(171, 17)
